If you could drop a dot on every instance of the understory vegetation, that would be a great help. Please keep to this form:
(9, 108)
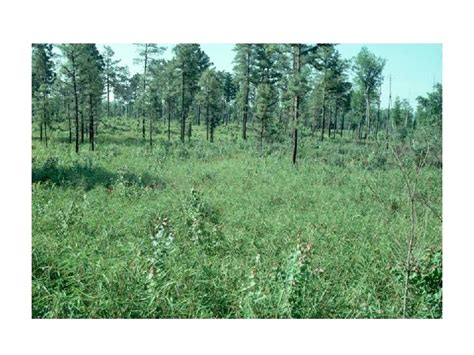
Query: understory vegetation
(230, 230)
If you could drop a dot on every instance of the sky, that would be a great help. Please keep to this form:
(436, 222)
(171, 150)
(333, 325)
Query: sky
(414, 68)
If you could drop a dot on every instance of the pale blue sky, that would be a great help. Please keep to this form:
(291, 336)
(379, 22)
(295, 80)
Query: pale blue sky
(413, 67)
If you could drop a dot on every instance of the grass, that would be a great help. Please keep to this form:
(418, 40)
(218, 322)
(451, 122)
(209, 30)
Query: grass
(207, 230)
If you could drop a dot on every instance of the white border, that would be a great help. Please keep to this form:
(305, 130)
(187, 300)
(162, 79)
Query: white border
(227, 22)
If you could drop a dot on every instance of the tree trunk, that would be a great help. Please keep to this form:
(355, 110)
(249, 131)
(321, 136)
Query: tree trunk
(246, 97)
(296, 103)
(82, 123)
(108, 96)
(169, 120)
(199, 115)
(91, 123)
(367, 133)
(342, 122)
(335, 123)
(331, 112)
(387, 121)
(144, 91)
(76, 104)
(183, 114)
(211, 123)
(190, 128)
(323, 116)
(41, 132)
(151, 130)
(46, 133)
(207, 121)
(70, 125)
(44, 115)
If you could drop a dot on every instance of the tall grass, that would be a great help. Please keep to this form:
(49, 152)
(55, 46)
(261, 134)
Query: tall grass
(207, 230)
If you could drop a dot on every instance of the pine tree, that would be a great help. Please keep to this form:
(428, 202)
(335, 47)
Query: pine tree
(210, 96)
(43, 77)
(71, 52)
(147, 52)
(110, 73)
(192, 62)
(243, 67)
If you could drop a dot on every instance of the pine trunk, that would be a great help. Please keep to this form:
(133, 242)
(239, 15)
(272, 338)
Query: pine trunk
(342, 123)
(183, 114)
(169, 120)
(331, 112)
(76, 103)
(246, 97)
(323, 118)
(387, 121)
(108, 96)
(367, 132)
(207, 121)
(190, 128)
(151, 131)
(82, 124)
(91, 123)
(296, 103)
(45, 134)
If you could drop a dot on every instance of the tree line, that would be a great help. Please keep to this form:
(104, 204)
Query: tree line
(274, 89)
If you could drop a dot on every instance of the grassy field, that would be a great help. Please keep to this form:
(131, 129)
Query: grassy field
(205, 230)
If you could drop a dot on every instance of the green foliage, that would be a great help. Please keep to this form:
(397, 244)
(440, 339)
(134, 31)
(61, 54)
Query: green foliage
(430, 108)
(426, 284)
(43, 76)
(368, 70)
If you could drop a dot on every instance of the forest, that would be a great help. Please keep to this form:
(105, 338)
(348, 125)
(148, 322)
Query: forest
(283, 188)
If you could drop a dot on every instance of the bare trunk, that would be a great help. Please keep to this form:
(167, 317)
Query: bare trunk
(211, 123)
(70, 124)
(151, 130)
(342, 122)
(183, 114)
(331, 112)
(323, 116)
(190, 129)
(46, 133)
(367, 133)
(76, 104)
(144, 91)
(387, 121)
(207, 121)
(108, 96)
(246, 98)
(91, 123)
(296, 103)
(169, 120)
(82, 123)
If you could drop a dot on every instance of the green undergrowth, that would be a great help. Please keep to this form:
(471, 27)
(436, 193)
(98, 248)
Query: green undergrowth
(201, 230)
